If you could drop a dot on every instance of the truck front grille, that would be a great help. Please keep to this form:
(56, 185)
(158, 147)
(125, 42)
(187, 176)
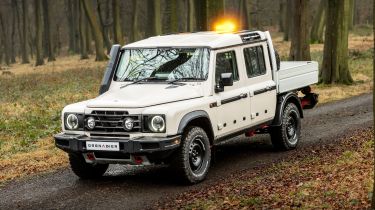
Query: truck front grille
(111, 123)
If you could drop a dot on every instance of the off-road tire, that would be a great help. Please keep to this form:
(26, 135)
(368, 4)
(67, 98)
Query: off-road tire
(286, 136)
(185, 159)
(86, 170)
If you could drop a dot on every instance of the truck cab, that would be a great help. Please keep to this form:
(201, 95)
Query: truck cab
(170, 99)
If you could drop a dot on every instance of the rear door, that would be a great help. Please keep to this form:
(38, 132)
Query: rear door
(232, 105)
(261, 86)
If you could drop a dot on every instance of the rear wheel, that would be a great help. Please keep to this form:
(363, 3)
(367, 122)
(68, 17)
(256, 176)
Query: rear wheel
(86, 170)
(192, 160)
(287, 135)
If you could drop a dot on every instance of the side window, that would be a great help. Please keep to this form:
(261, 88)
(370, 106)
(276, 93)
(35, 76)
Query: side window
(226, 63)
(254, 59)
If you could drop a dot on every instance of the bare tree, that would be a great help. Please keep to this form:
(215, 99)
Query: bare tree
(288, 18)
(47, 31)
(117, 32)
(173, 17)
(319, 21)
(4, 40)
(153, 18)
(244, 11)
(201, 14)
(335, 67)
(103, 13)
(191, 15)
(300, 47)
(373, 102)
(25, 56)
(82, 31)
(215, 10)
(282, 10)
(39, 32)
(89, 11)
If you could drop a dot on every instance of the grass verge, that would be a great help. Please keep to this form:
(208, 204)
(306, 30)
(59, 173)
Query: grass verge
(334, 176)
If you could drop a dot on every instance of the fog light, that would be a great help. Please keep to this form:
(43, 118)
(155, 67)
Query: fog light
(90, 123)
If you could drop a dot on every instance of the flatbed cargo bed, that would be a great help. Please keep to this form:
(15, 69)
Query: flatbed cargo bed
(294, 75)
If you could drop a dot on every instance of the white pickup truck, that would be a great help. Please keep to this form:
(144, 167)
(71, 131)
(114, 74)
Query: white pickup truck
(170, 99)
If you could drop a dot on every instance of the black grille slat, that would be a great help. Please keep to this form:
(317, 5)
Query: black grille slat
(110, 123)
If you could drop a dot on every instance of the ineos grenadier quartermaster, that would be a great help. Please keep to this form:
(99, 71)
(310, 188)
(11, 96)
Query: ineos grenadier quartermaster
(170, 99)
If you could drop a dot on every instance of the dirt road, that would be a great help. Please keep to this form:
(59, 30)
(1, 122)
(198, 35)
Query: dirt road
(126, 187)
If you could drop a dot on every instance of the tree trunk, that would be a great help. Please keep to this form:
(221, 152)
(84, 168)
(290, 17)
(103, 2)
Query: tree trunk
(117, 32)
(82, 31)
(135, 34)
(157, 18)
(215, 11)
(47, 28)
(373, 101)
(39, 33)
(88, 37)
(98, 37)
(282, 9)
(191, 16)
(201, 15)
(13, 36)
(288, 17)
(300, 47)
(31, 42)
(153, 18)
(243, 10)
(335, 57)
(75, 15)
(173, 18)
(319, 21)
(18, 18)
(69, 15)
(4, 40)
(104, 25)
(351, 14)
(25, 56)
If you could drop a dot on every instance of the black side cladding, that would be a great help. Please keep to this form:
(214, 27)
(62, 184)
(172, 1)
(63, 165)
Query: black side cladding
(111, 67)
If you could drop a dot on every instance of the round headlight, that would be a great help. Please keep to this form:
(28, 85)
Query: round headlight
(72, 122)
(157, 123)
(128, 124)
(90, 123)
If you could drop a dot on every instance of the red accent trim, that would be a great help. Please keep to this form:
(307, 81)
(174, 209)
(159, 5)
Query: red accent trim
(138, 160)
(90, 156)
(304, 102)
(250, 133)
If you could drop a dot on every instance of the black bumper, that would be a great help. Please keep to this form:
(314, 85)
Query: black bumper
(77, 143)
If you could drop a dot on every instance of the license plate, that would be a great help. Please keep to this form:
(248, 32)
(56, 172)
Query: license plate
(102, 146)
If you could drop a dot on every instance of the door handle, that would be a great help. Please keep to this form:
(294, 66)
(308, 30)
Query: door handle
(243, 95)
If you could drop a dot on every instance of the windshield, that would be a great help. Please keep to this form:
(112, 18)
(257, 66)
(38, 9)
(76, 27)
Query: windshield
(163, 64)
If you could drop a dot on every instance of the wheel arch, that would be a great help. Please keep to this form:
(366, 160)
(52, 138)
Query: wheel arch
(282, 101)
(198, 118)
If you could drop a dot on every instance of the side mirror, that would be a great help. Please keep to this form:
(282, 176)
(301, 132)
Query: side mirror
(107, 78)
(226, 79)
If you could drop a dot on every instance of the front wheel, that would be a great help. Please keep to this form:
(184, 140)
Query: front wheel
(86, 170)
(287, 135)
(192, 160)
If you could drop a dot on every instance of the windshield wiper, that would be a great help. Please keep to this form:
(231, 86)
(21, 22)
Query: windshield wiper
(138, 81)
(184, 78)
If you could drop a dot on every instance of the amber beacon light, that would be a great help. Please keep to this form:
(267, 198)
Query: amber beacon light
(225, 26)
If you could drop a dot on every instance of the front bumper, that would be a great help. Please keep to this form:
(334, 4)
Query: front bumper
(144, 145)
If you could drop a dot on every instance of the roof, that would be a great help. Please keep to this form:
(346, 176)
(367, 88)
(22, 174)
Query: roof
(200, 39)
